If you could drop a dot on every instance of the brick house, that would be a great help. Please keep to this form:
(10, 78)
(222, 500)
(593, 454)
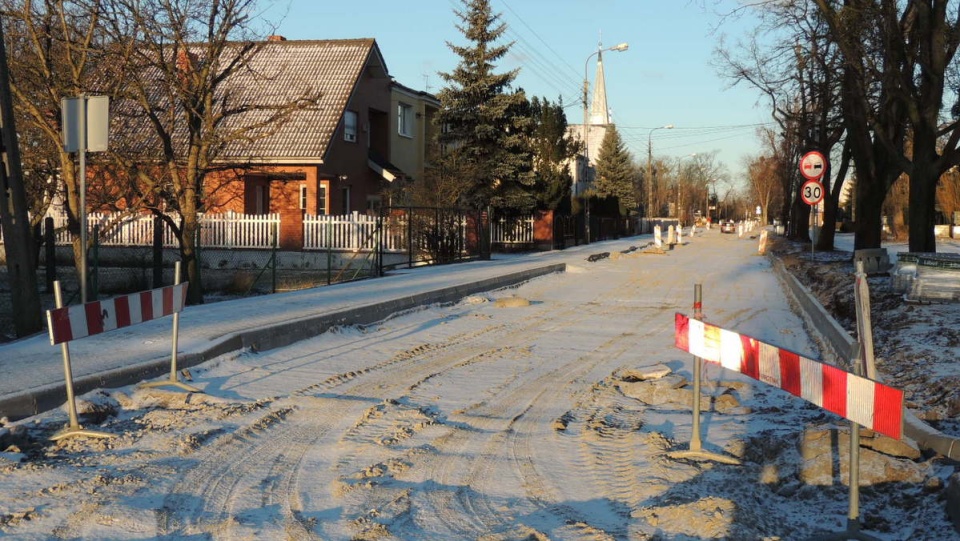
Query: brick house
(337, 157)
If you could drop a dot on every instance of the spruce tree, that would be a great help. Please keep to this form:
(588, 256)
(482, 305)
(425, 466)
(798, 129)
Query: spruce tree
(484, 130)
(552, 150)
(616, 174)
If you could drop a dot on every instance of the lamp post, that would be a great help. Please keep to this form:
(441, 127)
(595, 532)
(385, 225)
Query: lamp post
(650, 168)
(586, 154)
(678, 210)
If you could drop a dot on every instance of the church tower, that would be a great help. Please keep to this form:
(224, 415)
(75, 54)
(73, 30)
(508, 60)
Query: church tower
(596, 120)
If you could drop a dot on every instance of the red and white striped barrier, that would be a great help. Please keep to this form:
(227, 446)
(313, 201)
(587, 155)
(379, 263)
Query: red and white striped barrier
(866, 402)
(73, 322)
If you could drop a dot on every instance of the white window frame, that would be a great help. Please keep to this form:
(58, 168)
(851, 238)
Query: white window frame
(303, 197)
(351, 123)
(322, 193)
(405, 119)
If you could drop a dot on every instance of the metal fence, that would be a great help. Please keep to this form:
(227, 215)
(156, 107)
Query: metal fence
(429, 235)
(512, 230)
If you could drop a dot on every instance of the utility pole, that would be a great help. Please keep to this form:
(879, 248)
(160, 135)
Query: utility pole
(24, 295)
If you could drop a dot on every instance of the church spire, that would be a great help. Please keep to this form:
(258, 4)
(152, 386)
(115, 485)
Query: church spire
(599, 113)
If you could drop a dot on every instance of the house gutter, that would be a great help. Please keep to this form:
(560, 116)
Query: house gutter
(843, 346)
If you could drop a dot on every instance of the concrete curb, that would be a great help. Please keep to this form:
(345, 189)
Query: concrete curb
(844, 347)
(20, 405)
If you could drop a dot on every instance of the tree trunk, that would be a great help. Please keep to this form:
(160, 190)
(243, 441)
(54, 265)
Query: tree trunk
(829, 230)
(831, 200)
(24, 294)
(923, 197)
(189, 259)
(799, 218)
(870, 196)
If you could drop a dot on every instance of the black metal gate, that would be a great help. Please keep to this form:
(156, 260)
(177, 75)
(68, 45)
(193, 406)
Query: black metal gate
(414, 236)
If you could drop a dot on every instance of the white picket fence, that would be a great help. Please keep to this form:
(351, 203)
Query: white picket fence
(232, 230)
(347, 232)
(227, 230)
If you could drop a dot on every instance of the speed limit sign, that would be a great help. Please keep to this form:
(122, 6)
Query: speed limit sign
(811, 192)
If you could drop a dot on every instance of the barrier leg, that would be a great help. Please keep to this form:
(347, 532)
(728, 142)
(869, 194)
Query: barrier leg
(173, 381)
(73, 428)
(695, 449)
(853, 530)
(862, 364)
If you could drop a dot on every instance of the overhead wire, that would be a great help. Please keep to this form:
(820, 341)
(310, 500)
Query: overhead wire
(533, 60)
(560, 75)
(569, 82)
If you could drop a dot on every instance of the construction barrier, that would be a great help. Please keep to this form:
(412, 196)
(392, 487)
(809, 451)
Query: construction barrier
(68, 323)
(79, 321)
(866, 402)
(863, 401)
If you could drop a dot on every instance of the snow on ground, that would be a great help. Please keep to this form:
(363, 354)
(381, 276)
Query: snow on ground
(545, 411)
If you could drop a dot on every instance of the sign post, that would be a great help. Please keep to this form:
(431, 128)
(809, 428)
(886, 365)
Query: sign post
(86, 122)
(812, 166)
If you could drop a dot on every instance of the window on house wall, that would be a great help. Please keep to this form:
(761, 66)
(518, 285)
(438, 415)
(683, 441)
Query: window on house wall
(345, 195)
(261, 199)
(405, 120)
(322, 199)
(303, 197)
(350, 126)
(373, 204)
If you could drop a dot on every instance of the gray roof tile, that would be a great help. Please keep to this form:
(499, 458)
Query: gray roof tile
(282, 71)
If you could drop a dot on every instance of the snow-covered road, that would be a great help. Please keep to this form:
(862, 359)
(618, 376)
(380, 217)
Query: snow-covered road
(513, 415)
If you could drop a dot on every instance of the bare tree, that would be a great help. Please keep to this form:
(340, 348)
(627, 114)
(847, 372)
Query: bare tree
(897, 56)
(762, 174)
(188, 101)
(948, 196)
(54, 46)
(796, 71)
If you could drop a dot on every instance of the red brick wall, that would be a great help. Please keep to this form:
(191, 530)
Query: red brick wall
(543, 229)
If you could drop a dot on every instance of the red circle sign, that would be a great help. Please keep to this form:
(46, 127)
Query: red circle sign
(812, 165)
(811, 192)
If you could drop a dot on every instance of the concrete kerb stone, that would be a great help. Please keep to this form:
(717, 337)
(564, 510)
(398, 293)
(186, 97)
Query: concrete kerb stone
(20, 405)
(837, 338)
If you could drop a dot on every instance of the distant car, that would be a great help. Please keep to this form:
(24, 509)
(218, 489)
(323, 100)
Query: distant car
(728, 226)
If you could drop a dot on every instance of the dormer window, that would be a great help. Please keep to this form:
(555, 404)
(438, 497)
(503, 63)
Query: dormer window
(350, 126)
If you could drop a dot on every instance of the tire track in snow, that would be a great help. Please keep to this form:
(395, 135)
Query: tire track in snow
(255, 461)
(206, 498)
(520, 434)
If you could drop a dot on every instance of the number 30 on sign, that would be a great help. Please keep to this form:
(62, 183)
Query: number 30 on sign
(811, 192)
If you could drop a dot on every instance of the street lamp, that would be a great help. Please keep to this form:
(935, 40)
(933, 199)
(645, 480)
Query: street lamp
(650, 168)
(586, 154)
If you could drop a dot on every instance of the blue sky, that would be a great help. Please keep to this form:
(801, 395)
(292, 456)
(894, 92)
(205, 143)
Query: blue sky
(665, 77)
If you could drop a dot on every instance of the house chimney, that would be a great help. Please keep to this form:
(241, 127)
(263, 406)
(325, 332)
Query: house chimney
(276, 37)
